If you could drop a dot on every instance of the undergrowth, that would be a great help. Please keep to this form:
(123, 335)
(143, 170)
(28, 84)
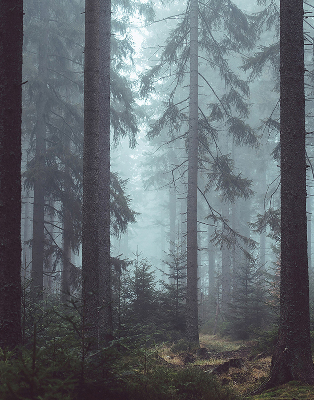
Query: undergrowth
(57, 363)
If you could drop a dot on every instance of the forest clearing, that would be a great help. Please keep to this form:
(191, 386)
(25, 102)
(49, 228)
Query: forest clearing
(221, 369)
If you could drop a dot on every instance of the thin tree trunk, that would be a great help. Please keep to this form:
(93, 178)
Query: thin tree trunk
(225, 266)
(172, 220)
(309, 226)
(211, 265)
(11, 41)
(292, 359)
(40, 155)
(191, 300)
(49, 267)
(26, 235)
(263, 234)
(67, 251)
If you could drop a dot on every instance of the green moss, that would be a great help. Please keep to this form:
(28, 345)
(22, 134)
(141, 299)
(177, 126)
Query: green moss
(289, 391)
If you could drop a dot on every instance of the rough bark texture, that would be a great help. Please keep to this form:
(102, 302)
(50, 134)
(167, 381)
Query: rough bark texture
(292, 358)
(40, 155)
(96, 170)
(11, 41)
(104, 174)
(90, 256)
(191, 300)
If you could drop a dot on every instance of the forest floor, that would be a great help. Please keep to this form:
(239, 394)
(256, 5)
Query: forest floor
(237, 364)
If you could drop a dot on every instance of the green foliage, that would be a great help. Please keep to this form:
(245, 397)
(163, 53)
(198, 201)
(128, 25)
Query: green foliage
(248, 311)
(164, 383)
(58, 364)
(266, 341)
(229, 184)
(180, 346)
(270, 218)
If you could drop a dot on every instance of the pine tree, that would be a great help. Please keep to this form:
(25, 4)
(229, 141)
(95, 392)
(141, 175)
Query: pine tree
(11, 42)
(292, 356)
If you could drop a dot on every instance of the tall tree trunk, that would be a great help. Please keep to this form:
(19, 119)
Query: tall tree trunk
(90, 256)
(11, 42)
(106, 327)
(191, 300)
(292, 359)
(96, 268)
(40, 155)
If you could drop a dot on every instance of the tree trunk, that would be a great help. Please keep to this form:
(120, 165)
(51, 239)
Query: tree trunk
(40, 155)
(96, 268)
(292, 358)
(211, 264)
(191, 300)
(11, 26)
(67, 251)
(90, 256)
(309, 226)
(106, 327)
(172, 226)
(225, 265)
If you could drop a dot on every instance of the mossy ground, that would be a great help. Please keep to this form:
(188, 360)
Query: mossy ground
(241, 381)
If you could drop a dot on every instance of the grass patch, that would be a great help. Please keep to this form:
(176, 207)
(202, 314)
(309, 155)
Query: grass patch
(219, 344)
(289, 391)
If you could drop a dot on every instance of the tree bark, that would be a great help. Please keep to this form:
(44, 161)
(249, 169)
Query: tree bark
(292, 358)
(96, 268)
(106, 327)
(90, 256)
(191, 300)
(11, 42)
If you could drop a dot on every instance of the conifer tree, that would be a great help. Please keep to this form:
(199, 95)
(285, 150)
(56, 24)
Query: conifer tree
(224, 108)
(292, 355)
(11, 42)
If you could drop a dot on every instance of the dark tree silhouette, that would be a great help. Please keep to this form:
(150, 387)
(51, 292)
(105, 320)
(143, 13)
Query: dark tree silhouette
(96, 171)
(11, 43)
(292, 359)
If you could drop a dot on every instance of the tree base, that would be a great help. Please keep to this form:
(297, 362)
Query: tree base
(287, 366)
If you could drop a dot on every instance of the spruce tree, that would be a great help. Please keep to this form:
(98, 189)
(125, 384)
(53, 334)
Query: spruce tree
(292, 355)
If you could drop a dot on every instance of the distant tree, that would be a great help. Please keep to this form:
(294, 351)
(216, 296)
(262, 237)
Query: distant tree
(292, 358)
(247, 312)
(11, 42)
(173, 301)
(38, 243)
(196, 33)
